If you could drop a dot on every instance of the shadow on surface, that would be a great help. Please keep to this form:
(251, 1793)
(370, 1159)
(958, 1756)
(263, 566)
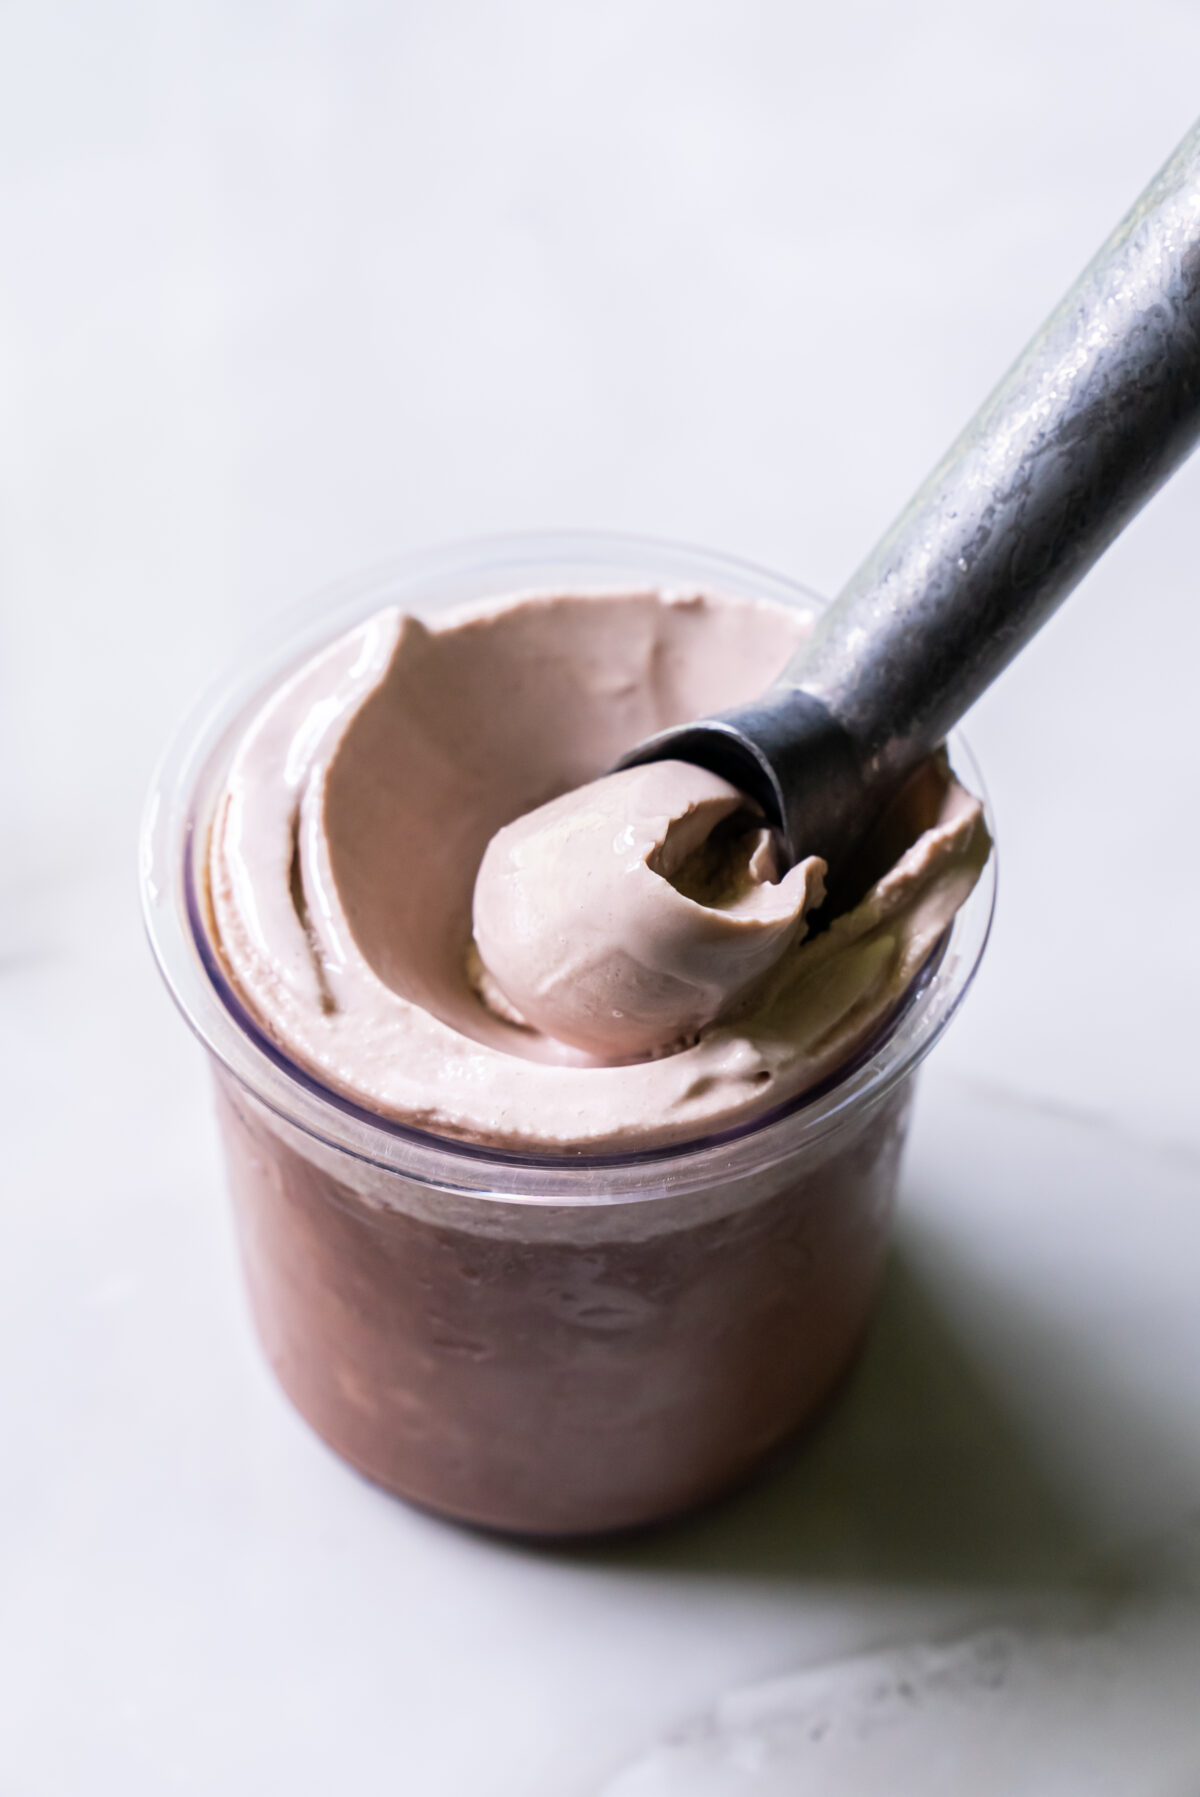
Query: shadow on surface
(916, 1473)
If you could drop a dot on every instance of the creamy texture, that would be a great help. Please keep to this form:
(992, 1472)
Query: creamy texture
(625, 916)
(360, 801)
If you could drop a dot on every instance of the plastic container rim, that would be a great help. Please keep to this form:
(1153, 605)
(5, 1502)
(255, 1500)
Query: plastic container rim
(174, 827)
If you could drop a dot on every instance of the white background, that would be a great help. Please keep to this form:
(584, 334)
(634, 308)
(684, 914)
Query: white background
(286, 290)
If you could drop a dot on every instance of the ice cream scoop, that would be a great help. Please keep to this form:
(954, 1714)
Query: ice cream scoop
(1100, 409)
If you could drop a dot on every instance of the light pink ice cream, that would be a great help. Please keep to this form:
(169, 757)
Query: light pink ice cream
(627, 915)
(359, 804)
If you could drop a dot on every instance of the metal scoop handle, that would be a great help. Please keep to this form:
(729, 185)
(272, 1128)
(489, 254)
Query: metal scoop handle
(1100, 409)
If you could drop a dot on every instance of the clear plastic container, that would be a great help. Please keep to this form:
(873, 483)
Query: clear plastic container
(545, 1345)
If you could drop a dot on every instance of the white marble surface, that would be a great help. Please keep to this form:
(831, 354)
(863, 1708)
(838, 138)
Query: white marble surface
(287, 289)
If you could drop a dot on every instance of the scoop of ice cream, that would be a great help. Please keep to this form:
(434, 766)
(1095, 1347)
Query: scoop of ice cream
(625, 916)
